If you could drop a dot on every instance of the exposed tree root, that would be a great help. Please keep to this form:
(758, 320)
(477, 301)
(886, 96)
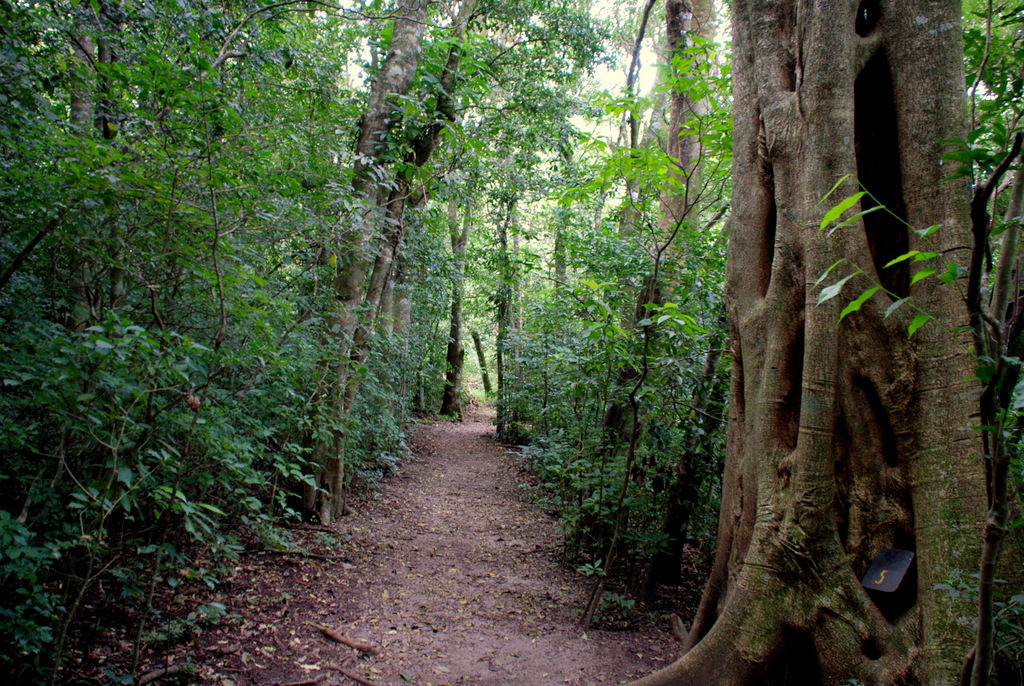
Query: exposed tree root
(678, 628)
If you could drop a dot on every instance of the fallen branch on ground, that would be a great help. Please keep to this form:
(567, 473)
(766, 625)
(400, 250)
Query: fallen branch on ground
(351, 675)
(159, 674)
(335, 636)
(306, 682)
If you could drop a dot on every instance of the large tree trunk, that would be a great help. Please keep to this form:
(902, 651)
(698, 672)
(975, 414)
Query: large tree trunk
(451, 401)
(844, 438)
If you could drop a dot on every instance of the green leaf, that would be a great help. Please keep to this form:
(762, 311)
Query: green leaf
(828, 271)
(892, 308)
(986, 372)
(853, 217)
(904, 256)
(1018, 395)
(950, 275)
(919, 321)
(856, 304)
(833, 290)
(838, 210)
(924, 273)
(842, 178)
(924, 233)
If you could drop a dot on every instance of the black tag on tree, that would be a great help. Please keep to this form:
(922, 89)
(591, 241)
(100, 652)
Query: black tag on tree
(888, 570)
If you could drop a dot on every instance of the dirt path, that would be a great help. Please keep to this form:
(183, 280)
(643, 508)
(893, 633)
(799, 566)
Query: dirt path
(450, 572)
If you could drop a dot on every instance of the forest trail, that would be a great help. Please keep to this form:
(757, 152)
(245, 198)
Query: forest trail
(450, 572)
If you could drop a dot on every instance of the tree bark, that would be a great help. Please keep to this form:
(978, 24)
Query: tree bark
(482, 361)
(506, 419)
(393, 81)
(684, 20)
(844, 438)
(451, 401)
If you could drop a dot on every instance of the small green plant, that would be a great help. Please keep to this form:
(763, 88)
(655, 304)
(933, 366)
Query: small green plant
(183, 628)
(592, 568)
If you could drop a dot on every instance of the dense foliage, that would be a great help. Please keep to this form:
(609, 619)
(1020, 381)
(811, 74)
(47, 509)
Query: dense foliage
(181, 200)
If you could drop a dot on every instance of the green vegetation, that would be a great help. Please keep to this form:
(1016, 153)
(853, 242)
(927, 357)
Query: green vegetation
(227, 278)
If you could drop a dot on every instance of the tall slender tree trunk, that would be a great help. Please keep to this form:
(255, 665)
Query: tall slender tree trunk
(357, 303)
(393, 81)
(684, 22)
(506, 420)
(481, 359)
(451, 400)
(402, 322)
(847, 438)
(675, 199)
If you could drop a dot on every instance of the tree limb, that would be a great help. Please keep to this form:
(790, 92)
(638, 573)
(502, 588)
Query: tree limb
(20, 258)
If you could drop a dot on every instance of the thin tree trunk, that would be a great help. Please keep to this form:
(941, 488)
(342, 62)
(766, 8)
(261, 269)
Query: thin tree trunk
(505, 419)
(398, 199)
(403, 320)
(990, 344)
(684, 23)
(630, 131)
(482, 361)
(451, 400)
(393, 82)
(83, 55)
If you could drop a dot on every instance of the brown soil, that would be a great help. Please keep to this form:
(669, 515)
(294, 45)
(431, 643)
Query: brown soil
(449, 572)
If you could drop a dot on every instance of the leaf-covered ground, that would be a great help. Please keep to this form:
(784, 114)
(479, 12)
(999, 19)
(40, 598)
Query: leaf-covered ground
(449, 573)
